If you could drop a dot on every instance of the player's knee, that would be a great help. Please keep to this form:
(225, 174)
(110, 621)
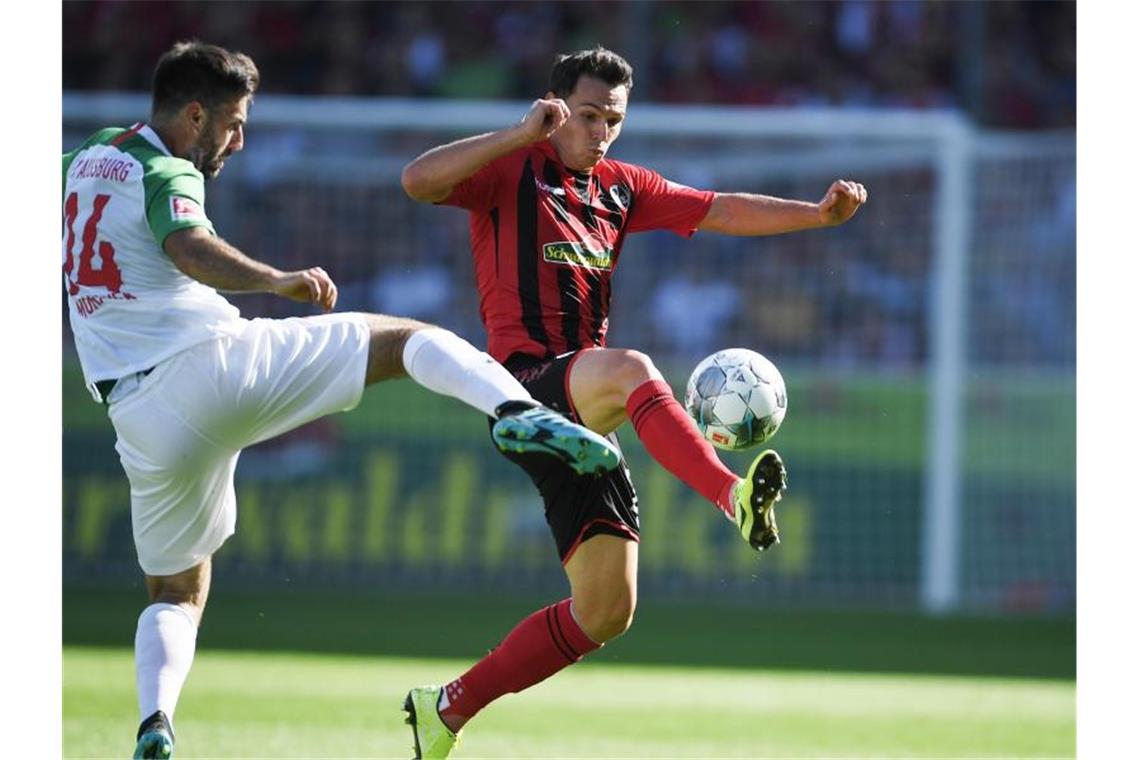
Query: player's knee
(188, 589)
(192, 601)
(616, 621)
(389, 335)
(193, 608)
(631, 369)
(605, 619)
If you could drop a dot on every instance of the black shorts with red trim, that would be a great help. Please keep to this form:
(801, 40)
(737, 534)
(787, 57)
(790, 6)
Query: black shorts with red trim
(578, 507)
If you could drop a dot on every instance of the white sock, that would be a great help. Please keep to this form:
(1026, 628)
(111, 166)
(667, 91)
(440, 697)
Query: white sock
(441, 361)
(164, 649)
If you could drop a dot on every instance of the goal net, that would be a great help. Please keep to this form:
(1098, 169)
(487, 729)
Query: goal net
(928, 347)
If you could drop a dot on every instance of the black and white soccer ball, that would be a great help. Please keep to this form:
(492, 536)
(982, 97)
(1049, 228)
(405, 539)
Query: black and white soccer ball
(737, 398)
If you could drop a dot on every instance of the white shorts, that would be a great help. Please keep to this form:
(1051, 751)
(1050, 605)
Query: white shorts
(181, 430)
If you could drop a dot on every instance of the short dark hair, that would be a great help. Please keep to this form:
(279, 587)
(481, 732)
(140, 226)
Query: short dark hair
(194, 71)
(597, 62)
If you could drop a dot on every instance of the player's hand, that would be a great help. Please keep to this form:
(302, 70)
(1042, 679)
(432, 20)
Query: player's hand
(841, 201)
(312, 285)
(544, 118)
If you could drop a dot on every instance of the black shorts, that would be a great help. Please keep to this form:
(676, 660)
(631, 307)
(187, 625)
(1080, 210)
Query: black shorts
(578, 507)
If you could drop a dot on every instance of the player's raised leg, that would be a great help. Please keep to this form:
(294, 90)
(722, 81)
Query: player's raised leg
(608, 386)
(603, 584)
(445, 363)
(165, 640)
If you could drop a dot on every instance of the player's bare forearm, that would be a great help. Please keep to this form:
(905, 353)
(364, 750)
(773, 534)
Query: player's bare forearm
(432, 176)
(748, 214)
(214, 262)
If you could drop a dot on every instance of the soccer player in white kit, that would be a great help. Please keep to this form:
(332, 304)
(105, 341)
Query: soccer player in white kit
(188, 382)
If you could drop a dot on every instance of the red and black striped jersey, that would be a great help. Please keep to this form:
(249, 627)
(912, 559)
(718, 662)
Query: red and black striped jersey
(546, 240)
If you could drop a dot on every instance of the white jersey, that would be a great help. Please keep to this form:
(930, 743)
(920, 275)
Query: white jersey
(130, 307)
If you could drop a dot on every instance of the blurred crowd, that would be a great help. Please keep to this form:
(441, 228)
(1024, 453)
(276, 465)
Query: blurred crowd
(1008, 63)
(853, 297)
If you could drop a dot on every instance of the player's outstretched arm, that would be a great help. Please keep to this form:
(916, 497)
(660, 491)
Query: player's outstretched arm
(432, 176)
(747, 214)
(214, 262)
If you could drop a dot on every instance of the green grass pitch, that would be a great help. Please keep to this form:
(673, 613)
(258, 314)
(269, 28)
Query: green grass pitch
(288, 705)
(322, 674)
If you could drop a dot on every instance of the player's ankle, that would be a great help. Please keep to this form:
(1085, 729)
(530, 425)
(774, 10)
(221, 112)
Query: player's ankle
(508, 408)
(447, 712)
(453, 721)
(726, 502)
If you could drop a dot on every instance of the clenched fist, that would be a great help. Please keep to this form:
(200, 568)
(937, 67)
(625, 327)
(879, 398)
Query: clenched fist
(544, 118)
(841, 201)
(312, 285)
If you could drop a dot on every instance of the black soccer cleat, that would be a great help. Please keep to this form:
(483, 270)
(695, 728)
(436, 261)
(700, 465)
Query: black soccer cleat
(155, 738)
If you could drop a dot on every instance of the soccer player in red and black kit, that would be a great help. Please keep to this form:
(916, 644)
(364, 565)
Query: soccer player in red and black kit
(549, 213)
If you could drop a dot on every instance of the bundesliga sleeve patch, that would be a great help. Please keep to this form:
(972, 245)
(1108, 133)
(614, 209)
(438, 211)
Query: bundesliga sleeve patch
(184, 209)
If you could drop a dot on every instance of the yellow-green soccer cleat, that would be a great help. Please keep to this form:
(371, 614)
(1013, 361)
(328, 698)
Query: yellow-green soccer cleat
(528, 428)
(155, 738)
(432, 736)
(755, 497)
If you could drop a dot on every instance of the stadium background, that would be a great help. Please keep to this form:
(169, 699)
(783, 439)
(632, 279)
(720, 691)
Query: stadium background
(352, 507)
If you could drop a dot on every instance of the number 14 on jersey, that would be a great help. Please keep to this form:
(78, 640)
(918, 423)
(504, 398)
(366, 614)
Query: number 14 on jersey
(97, 266)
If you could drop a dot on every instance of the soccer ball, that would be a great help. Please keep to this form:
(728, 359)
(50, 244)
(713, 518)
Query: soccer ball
(737, 398)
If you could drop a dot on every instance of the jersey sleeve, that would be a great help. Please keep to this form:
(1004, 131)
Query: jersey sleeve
(479, 191)
(175, 199)
(663, 205)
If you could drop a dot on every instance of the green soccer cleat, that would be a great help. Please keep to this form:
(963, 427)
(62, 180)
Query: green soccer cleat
(523, 428)
(155, 738)
(755, 497)
(432, 736)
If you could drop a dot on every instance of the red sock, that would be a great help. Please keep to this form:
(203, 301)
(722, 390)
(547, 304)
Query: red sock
(672, 439)
(538, 647)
